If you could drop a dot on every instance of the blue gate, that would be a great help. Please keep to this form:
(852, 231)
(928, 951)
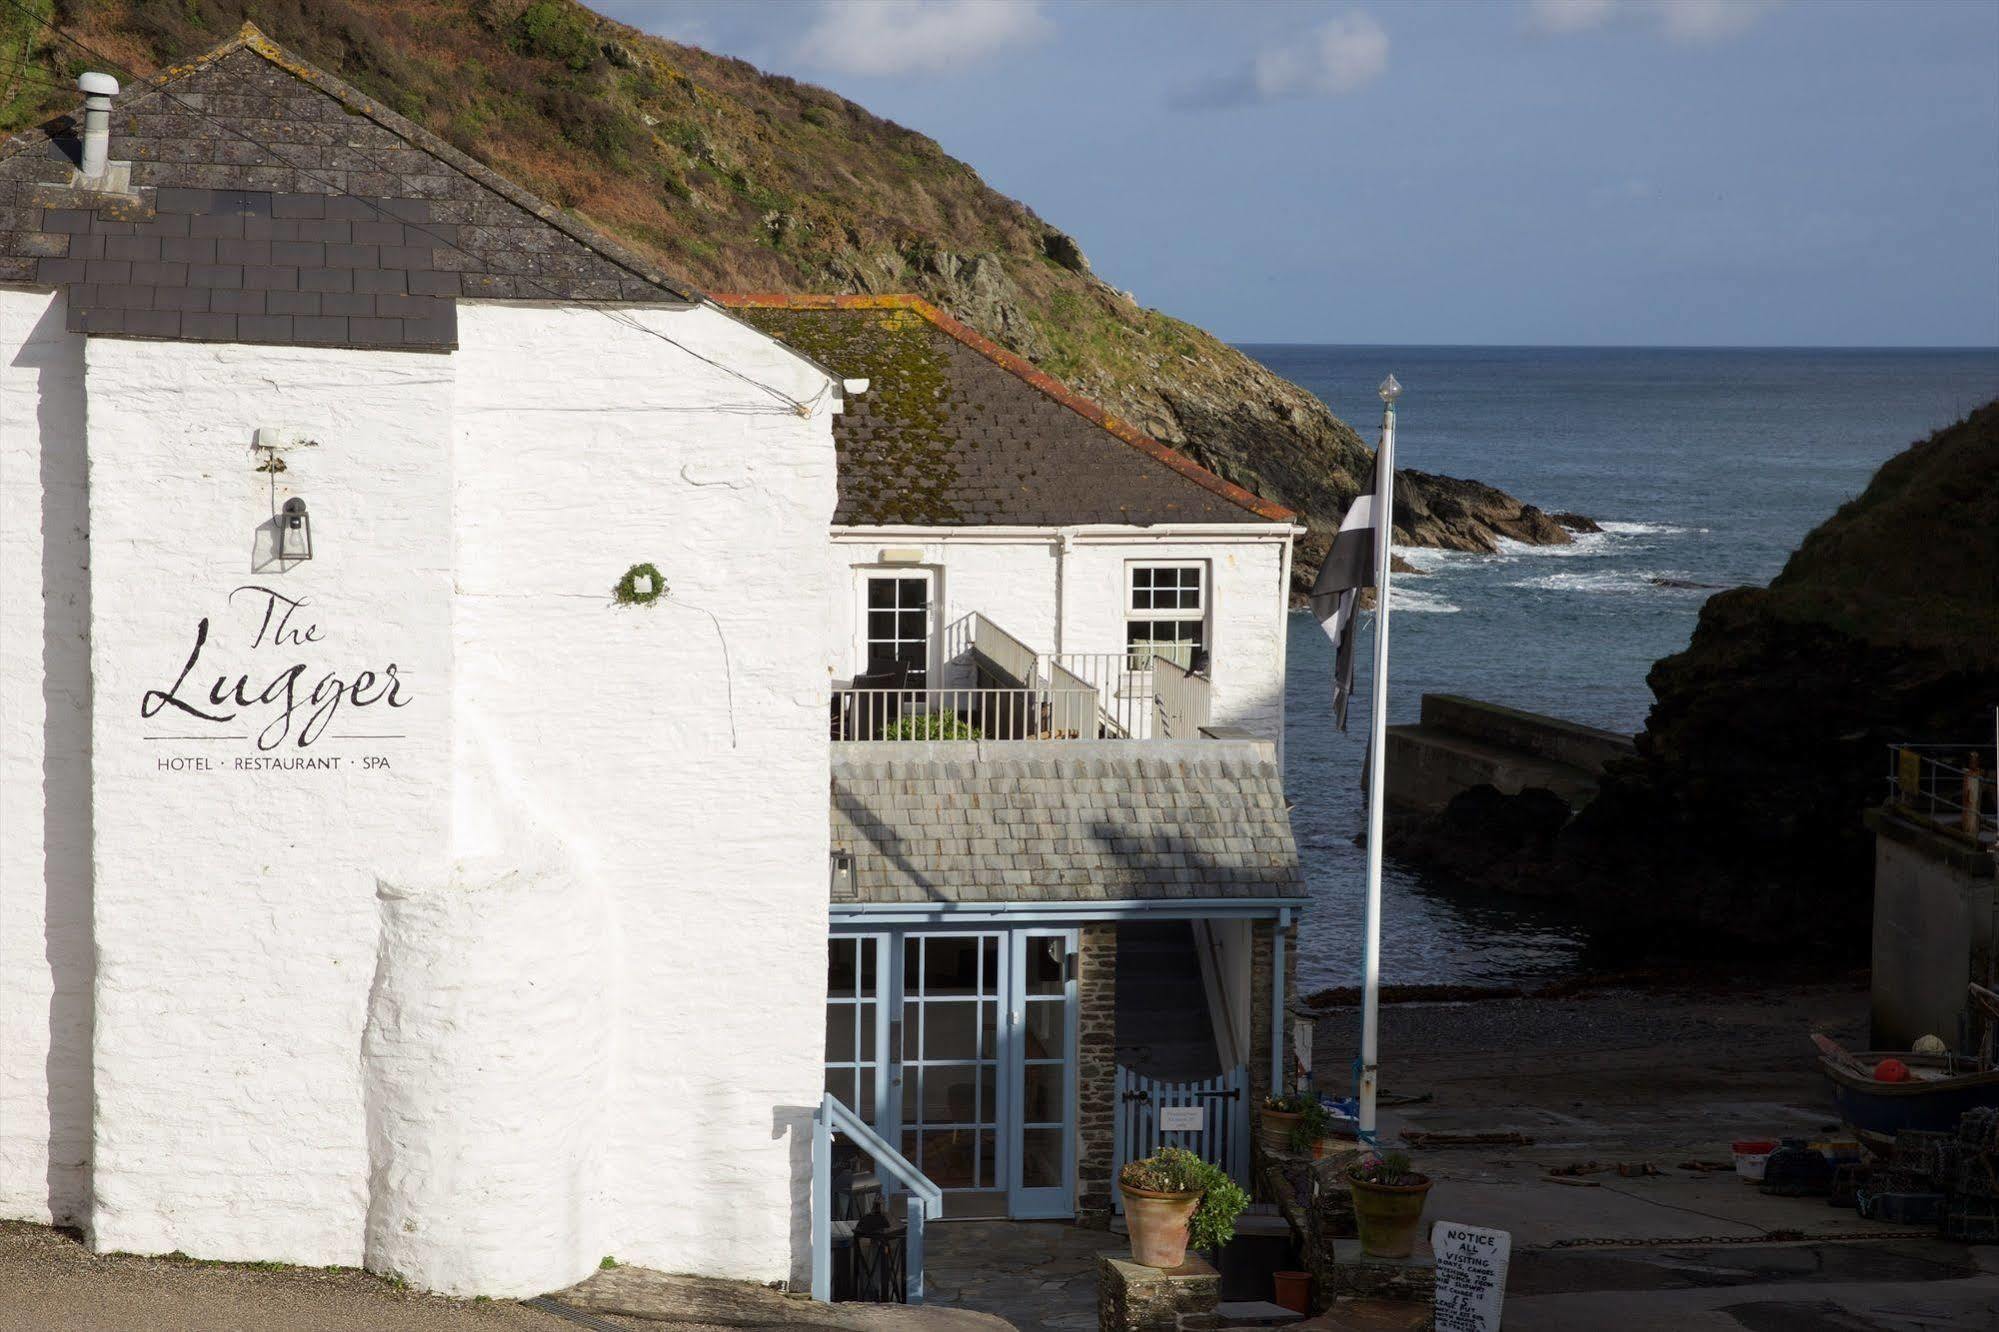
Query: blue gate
(1209, 1118)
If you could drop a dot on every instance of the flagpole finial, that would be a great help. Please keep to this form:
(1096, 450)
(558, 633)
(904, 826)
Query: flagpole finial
(1390, 390)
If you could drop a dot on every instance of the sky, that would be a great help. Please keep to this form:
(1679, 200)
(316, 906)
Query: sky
(1575, 172)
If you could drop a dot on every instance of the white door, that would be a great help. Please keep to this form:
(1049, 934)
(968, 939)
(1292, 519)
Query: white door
(899, 623)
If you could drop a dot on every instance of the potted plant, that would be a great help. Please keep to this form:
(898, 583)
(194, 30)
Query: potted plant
(1388, 1200)
(1173, 1198)
(1294, 1123)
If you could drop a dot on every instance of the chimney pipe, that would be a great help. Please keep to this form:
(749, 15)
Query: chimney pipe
(98, 90)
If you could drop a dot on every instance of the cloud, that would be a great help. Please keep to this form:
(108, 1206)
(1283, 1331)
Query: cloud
(1339, 57)
(1689, 21)
(878, 37)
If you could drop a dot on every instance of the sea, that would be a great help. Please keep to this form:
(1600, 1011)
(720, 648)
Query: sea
(1705, 467)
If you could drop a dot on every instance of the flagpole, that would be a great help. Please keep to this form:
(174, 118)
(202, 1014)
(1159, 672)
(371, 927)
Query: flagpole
(1377, 743)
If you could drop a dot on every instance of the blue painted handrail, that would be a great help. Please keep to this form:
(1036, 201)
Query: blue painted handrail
(926, 1200)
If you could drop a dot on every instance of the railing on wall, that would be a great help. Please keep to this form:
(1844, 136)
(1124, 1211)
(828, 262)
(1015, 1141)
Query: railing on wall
(999, 652)
(1122, 683)
(1017, 693)
(973, 713)
(1209, 1118)
(925, 1201)
(1181, 701)
(1950, 786)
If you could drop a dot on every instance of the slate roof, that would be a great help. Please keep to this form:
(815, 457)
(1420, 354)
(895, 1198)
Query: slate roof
(955, 431)
(270, 202)
(1063, 821)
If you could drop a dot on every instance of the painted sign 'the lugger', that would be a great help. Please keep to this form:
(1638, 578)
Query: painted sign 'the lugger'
(275, 697)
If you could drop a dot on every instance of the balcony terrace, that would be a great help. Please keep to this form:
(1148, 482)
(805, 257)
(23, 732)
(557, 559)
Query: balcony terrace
(1018, 693)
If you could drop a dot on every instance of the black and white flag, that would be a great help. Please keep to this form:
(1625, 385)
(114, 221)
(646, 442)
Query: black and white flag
(1349, 567)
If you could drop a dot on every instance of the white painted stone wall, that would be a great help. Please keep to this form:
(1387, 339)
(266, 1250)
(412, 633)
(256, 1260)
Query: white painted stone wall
(486, 1070)
(564, 936)
(682, 760)
(1074, 600)
(235, 909)
(45, 957)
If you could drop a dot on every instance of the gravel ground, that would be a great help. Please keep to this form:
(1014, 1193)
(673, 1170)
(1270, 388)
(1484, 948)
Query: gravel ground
(48, 1280)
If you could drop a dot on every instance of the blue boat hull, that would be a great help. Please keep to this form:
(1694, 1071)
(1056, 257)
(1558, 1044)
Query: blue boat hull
(1877, 1111)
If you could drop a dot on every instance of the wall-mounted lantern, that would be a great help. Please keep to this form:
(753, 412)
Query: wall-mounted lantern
(294, 531)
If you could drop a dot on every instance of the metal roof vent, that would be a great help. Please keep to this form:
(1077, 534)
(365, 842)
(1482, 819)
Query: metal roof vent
(98, 90)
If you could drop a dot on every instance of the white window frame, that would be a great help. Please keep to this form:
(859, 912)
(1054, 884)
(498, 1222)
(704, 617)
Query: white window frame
(1198, 615)
(866, 574)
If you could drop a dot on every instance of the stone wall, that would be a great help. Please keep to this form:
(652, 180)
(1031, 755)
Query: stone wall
(1096, 1073)
(1936, 923)
(1262, 955)
(1135, 1298)
(218, 1032)
(45, 950)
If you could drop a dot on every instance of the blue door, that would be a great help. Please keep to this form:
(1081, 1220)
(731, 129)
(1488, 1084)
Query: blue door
(959, 1047)
(1042, 1075)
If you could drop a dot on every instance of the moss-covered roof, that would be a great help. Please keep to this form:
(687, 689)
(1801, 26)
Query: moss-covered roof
(952, 431)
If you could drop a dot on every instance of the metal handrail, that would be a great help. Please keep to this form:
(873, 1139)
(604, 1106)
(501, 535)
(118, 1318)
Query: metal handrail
(970, 713)
(926, 1200)
(1122, 682)
(1003, 651)
(1181, 698)
(1922, 782)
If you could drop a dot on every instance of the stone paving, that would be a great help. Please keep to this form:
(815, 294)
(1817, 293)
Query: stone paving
(1039, 1276)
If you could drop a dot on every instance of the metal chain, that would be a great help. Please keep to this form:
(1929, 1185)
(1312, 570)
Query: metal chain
(1767, 1237)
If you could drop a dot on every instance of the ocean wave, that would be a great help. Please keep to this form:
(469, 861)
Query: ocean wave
(1648, 529)
(1624, 581)
(1587, 545)
(1429, 559)
(1423, 603)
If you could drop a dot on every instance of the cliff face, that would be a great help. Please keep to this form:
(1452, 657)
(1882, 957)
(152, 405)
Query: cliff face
(1740, 819)
(743, 181)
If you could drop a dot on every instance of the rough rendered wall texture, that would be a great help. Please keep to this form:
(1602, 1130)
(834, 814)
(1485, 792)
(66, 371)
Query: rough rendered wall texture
(1096, 1073)
(1016, 583)
(446, 916)
(1263, 953)
(235, 914)
(45, 954)
(681, 759)
(486, 1069)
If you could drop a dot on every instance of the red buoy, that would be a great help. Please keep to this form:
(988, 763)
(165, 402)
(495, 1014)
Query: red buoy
(1891, 1070)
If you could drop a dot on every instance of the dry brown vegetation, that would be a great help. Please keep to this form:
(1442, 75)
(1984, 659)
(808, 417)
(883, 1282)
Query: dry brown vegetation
(738, 180)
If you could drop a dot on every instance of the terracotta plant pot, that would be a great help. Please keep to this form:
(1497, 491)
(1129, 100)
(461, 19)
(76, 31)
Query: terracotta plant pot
(1292, 1290)
(1158, 1225)
(1388, 1216)
(1273, 1129)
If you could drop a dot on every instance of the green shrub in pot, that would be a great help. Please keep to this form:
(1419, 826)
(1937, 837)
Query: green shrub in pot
(1174, 1199)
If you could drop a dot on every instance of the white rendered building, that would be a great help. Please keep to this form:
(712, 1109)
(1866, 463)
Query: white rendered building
(418, 903)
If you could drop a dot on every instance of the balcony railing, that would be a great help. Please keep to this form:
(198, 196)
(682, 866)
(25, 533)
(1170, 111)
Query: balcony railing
(1949, 786)
(1147, 692)
(972, 713)
(1180, 700)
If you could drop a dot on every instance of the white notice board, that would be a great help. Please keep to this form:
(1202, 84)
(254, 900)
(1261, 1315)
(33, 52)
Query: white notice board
(1471, 1276)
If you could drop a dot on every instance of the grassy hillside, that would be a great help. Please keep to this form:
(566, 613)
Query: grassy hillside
(743, 181)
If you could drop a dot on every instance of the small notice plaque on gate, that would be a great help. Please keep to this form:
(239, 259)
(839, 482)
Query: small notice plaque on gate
(1183, 1118)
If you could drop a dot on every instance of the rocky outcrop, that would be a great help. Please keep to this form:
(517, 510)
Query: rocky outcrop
(743, 181)
(1738, 823)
